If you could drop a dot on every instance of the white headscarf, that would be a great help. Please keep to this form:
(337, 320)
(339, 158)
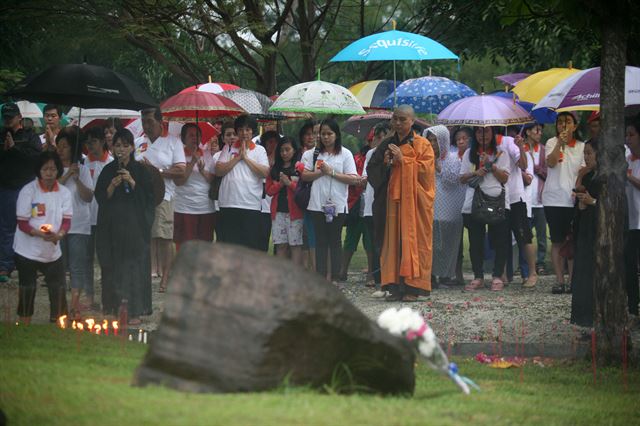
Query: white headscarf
(442, 136)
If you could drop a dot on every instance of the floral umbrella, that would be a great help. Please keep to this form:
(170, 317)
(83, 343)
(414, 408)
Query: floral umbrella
(484, 111)
(317, 97)
(428, 94)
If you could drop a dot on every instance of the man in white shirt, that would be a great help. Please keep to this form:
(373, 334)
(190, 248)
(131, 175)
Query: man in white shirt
(51, 114)
(166, 153)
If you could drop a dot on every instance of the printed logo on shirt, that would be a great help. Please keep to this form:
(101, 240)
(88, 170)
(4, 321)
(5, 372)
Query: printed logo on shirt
(38, 210)
(142, 148)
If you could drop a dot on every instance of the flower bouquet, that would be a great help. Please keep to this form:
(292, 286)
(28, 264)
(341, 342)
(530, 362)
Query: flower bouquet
(409, 324)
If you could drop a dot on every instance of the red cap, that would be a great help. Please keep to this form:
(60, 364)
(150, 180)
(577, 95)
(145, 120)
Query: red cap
(595, 115)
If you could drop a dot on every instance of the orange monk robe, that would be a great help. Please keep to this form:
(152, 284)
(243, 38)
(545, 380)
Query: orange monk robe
(407, 247)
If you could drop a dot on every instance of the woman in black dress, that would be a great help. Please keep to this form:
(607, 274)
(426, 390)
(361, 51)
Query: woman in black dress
(584, 226)
(124, 193)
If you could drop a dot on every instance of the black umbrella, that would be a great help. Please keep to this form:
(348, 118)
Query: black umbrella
(84, 86)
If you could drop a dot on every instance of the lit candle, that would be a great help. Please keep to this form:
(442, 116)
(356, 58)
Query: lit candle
(63, 321)
(130, 338)
(140, 336)
(144, 338)
(97, 328)
(90, 322)
(80, 326)
(46, 228)
(105, 327)
(114, 325)
(73, 324)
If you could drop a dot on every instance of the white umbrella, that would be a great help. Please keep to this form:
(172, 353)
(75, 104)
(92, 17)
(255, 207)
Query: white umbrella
(581, 91)
(29, 109)
(90, 114)
(318, 97)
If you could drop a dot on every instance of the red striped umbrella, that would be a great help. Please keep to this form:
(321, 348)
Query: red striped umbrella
(197, 105)
(211, 87)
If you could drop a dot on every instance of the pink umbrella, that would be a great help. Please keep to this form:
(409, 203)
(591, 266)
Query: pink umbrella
(484, 111)
(211, 87)
(512, 79)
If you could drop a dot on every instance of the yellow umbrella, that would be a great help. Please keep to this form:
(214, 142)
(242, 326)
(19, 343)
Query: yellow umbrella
(537, 86)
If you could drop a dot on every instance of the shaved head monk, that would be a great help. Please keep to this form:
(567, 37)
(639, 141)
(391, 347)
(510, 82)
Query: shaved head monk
(402, 174)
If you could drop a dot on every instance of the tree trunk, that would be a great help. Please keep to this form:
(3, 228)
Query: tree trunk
(610, 313)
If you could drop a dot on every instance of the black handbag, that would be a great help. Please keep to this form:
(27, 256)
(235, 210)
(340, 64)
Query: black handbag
(302, 194)
(488, 209)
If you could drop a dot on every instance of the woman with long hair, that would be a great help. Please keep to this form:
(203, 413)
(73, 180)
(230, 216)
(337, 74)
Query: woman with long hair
(485, 167)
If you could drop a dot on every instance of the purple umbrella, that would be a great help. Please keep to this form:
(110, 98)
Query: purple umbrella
(512, 79)
(484, 111)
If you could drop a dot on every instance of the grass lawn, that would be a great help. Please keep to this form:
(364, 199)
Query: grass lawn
(49, 376)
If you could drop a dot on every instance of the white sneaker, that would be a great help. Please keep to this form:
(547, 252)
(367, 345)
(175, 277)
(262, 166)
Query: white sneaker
(380, 294)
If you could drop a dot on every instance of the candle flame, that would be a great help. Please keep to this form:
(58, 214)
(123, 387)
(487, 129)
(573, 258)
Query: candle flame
(105, 324)
(80, 326)
(73, 324)
(90, 322)
(114, 325)
(97, 328)
(45, 227)
(62, 321)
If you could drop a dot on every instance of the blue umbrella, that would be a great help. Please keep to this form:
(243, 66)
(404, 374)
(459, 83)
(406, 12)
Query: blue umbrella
(394, 46)
(428, 94)
(541, 115)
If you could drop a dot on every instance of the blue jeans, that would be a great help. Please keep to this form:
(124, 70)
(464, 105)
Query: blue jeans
(80, 266)
(8, 200)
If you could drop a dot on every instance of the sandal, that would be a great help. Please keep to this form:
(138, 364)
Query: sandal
(559, 289)
(393, 298)
(497, 284)
(476, 284)
(530, 282)
(409, 298)
(370, 283)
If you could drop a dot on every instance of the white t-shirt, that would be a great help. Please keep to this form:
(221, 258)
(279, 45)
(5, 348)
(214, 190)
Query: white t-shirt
(326, 187)
(39, 208)
(536, 201)
(515, 186)
(81, 222)
(95, 168)
(163, 153)
(489, 184)
(528, 190)
(633, 194)
(193, 196)
(212, 170)
(241, 188)
(368, 191)
(561, 179)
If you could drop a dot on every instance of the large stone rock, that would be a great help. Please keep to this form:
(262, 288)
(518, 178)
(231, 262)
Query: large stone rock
(239, 320)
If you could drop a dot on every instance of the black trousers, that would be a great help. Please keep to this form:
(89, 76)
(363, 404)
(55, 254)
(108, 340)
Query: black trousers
(631, 257)
(368, 222)
(54, 278)
(498, 237)
(241, 227)
(328, 243)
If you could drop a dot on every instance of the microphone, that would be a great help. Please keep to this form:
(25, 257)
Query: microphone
(125, 184)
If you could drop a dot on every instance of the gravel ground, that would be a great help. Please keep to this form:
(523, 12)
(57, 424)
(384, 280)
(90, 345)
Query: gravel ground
(456, 316)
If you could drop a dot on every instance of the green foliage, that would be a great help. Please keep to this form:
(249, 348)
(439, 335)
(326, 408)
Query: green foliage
(9, 78)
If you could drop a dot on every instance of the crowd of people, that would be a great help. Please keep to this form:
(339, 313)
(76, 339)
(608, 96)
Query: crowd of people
(407, 193)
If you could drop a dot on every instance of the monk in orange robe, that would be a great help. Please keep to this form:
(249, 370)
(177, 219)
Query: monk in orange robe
(402, 173)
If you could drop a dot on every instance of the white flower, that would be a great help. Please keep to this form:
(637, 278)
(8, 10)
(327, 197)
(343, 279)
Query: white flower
(389, 321)
(426, 347)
